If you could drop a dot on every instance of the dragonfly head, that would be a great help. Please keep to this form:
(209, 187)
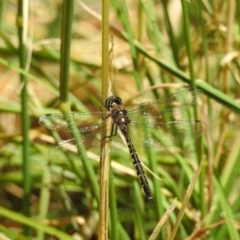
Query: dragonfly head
(113, 101)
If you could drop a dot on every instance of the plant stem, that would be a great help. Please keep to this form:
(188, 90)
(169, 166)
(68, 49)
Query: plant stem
(104, 161)
(22, 24)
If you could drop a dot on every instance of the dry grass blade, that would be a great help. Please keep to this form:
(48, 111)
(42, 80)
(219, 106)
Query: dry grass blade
(185, 201)
(164, 218)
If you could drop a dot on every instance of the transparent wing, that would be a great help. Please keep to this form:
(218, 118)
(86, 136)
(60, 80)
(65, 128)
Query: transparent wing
(85, 122)
(174, 133)
(86, 146)
(75, 149)
(168, 107)
(85, 133)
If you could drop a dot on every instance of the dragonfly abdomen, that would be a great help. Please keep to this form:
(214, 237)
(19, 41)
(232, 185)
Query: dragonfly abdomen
(139, 170)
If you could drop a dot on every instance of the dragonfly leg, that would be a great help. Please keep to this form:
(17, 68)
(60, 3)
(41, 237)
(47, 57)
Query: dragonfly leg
(113, 132)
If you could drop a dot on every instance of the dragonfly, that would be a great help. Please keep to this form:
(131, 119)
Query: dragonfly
(153, 123)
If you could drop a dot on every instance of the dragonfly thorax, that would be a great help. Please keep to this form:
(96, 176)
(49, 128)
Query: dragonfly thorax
(119, 116)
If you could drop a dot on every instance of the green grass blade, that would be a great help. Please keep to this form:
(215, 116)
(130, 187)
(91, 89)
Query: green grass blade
(232, 231)
(33, 224)
(66, 35)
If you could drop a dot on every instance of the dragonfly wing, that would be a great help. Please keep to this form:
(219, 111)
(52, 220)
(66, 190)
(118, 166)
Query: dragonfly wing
(87, 148)
(89, 130)
(85, 122)
(168, 134)
(168, 107)
(86, 145)
(85, 130)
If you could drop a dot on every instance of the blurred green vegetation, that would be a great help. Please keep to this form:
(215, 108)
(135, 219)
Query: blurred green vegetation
(159, 48)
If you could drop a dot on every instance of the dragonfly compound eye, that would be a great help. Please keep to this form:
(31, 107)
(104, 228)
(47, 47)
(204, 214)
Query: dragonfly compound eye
(113, 100)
